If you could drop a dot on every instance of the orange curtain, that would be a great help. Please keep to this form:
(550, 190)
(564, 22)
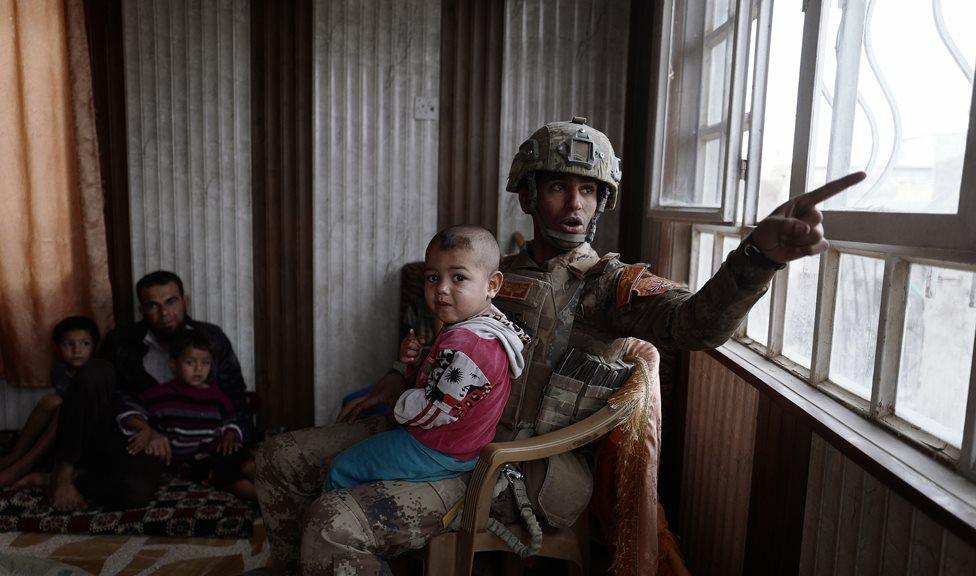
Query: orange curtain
(53, 254)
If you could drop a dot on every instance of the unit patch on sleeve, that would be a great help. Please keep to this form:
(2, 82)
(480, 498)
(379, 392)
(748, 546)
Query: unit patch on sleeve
(651, 285)
(514, 290)
(626, 280)
(635, 279)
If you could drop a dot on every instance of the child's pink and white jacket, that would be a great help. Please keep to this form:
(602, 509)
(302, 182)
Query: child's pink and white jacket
(463, 385)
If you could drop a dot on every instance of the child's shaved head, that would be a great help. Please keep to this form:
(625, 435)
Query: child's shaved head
(475, 239)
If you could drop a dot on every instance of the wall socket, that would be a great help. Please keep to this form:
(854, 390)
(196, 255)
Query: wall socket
(425, 108)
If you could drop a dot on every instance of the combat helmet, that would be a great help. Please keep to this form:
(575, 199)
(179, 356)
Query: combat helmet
(567, 148)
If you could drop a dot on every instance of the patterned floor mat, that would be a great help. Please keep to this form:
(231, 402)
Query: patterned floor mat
(179, 509)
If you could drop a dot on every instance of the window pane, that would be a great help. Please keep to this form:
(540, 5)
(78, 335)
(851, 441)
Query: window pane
(897, 109)
(706, 246)
(801, 309)
(750, 74)
(757, 327)
(712, 173)
(699, 70)
(783, 77)
(856, 323)
(716, 66)
(729, 243)
(721, 9)
(937, 348)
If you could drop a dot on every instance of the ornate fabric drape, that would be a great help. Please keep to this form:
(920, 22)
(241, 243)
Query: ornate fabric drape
(53, 254)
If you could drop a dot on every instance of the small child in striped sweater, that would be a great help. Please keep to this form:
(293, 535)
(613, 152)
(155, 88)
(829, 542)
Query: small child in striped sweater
(196, 418)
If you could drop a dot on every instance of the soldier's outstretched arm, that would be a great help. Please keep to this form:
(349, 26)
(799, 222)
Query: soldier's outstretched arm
(655, 309)
(667, 314)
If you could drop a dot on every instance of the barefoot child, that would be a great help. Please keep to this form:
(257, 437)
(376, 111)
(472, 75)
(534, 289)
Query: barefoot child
(461, 386)
(75, 338)
(196, 421)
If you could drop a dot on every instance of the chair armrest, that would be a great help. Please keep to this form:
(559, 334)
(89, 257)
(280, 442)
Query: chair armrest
(495, 455)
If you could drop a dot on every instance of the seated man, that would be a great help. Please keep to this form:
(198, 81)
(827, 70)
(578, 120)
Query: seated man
(566, 175)
(92, 459)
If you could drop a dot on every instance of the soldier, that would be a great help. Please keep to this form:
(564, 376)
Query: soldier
(563, 294)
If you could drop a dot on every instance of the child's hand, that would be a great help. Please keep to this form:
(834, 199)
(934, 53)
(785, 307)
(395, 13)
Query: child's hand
(410, 349)
(229, 443)
(159, 446)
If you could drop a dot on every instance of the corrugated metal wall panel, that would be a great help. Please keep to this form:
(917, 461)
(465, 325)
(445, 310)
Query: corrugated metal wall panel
(374, 180)
(720, 431)
(561, 59)
(856, 525)
(187, 82)
(16, 403)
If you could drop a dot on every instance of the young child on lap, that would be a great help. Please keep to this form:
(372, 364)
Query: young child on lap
(463, 382)
(75, 339)
(195, 419)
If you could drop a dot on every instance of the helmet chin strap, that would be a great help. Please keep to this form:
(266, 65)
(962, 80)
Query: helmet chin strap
(564, 240)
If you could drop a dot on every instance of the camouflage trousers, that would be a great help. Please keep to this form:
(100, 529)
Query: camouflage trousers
(349, 531)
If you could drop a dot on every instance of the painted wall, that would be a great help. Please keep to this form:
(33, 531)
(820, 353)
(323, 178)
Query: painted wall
(187, 82)
(374, 180)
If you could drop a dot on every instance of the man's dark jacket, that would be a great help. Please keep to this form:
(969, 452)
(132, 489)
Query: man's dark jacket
(125, 349)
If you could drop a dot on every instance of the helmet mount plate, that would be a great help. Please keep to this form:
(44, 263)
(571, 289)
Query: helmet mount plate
(579, 150)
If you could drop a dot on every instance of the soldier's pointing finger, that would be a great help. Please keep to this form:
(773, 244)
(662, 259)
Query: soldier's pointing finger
(804, 201)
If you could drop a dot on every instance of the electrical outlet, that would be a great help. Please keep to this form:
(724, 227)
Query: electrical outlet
(425, 108)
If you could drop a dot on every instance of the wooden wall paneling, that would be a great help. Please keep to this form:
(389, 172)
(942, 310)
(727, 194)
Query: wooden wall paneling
(282, 181)
(470, 107)
(855, 524)
(103, 19)
(925, 553)
(776, 509)
(719, 443)
(635, 188)
(898, 533)
(674, 402)
(958, 557)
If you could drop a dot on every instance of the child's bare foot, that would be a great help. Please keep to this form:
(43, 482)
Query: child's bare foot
(64, 496)
(34, 480)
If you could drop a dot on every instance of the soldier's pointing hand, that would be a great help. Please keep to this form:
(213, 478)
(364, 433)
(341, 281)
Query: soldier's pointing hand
(794, 229)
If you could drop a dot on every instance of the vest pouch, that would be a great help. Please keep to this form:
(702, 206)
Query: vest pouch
(559, 489)
(558, 408)
(578, 387)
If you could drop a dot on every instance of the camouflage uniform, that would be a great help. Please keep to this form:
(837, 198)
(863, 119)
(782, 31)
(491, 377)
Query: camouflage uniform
(343, 531)
(576, 298)
(351, 528)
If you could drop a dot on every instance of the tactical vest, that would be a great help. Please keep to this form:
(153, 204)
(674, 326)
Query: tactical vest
(546, 305)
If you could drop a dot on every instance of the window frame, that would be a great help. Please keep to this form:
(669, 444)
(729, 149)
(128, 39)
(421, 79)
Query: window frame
(899, 239)
(728, 129)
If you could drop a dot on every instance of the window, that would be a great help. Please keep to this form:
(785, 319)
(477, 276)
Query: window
(805, 91)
